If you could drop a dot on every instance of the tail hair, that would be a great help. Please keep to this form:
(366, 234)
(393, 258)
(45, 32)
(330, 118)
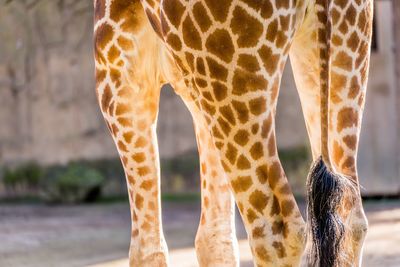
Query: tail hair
(326, 192)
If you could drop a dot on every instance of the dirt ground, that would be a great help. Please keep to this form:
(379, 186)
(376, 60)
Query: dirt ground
(98, 235)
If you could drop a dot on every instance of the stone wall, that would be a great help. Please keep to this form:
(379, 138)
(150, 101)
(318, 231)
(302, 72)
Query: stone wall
(48, 109)
(49, 112)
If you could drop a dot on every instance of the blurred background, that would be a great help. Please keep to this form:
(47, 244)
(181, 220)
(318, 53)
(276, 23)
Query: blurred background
(63, 198)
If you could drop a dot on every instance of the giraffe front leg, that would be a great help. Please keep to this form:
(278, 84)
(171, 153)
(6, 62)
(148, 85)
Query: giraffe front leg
(132, 122)
(128, 89)
(216, 243)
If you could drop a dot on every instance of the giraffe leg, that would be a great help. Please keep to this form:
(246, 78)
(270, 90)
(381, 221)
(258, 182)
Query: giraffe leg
(128, 92)
(233, 72)
(351, 33)
(216, 243)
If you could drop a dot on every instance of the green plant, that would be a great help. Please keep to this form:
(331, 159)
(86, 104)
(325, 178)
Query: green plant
(71, 184)
(26, 176)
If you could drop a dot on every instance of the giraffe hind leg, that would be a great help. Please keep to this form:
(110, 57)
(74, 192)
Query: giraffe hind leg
(349, 68)
(216, 243)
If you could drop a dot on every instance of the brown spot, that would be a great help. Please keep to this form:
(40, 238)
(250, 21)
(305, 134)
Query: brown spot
(201, 16)
(208, 96)
(351, 15)
(270, 60)
(143, 171)
(280, 227)
(131, 12)
(354, 41)
(103, 36)
(258, 200)
(354, 88)
(258, 105)
(349, 164)
(264, 7)
(343, 61)
(248, 28)
(241, 137)
(147, 185)
(115, 76)
(350, 141)
(106, 98)
(244, 82)
(275, 208)
(128, 136)
(251, 215)
(125, 122)
(282, 4)
(220, 44)
(190, 60)
(139, 157)
(139, 201)
(217, 71)
(287, 207)
(174, 11)
(338, 152)
(113, 54)
(191, 36)
(285, 189)
(241, 184)
(207, 107)
(242, 111)
(227, 113)
(141, 142)
(266, 127)
(254, 128)
(123, 108)
(261, 252)
(220, 90)
(257, 150)
(272, 147)
(100, 76)
(347, 117)
(258, 232)
(284, 21)
(219, 9)
(281, 40)
(225, 127)
(174, 41)
(274, 174)
(280, 249)
(231, 153)
(130, 178)
(262, 173)
(243, 163)
(248, 62)
(201, 83)
(200, 66)
(122, 147)
(272, 31)
(206, 202)
(99, 9)
(337, 40)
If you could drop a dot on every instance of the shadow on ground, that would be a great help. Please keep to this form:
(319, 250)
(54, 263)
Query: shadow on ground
(36, 235)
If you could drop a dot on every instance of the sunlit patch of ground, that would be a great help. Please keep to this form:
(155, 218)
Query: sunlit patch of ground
(98, 235)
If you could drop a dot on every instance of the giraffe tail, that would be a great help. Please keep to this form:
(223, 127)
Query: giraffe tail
(326, 193)
(326, 190)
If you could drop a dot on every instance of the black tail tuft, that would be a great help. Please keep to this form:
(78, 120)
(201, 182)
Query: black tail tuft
(325, 193)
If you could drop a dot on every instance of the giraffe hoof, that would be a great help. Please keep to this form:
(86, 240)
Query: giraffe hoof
(157, 259)
(215, 250)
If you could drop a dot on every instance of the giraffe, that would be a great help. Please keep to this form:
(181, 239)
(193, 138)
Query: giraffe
(225, 60)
